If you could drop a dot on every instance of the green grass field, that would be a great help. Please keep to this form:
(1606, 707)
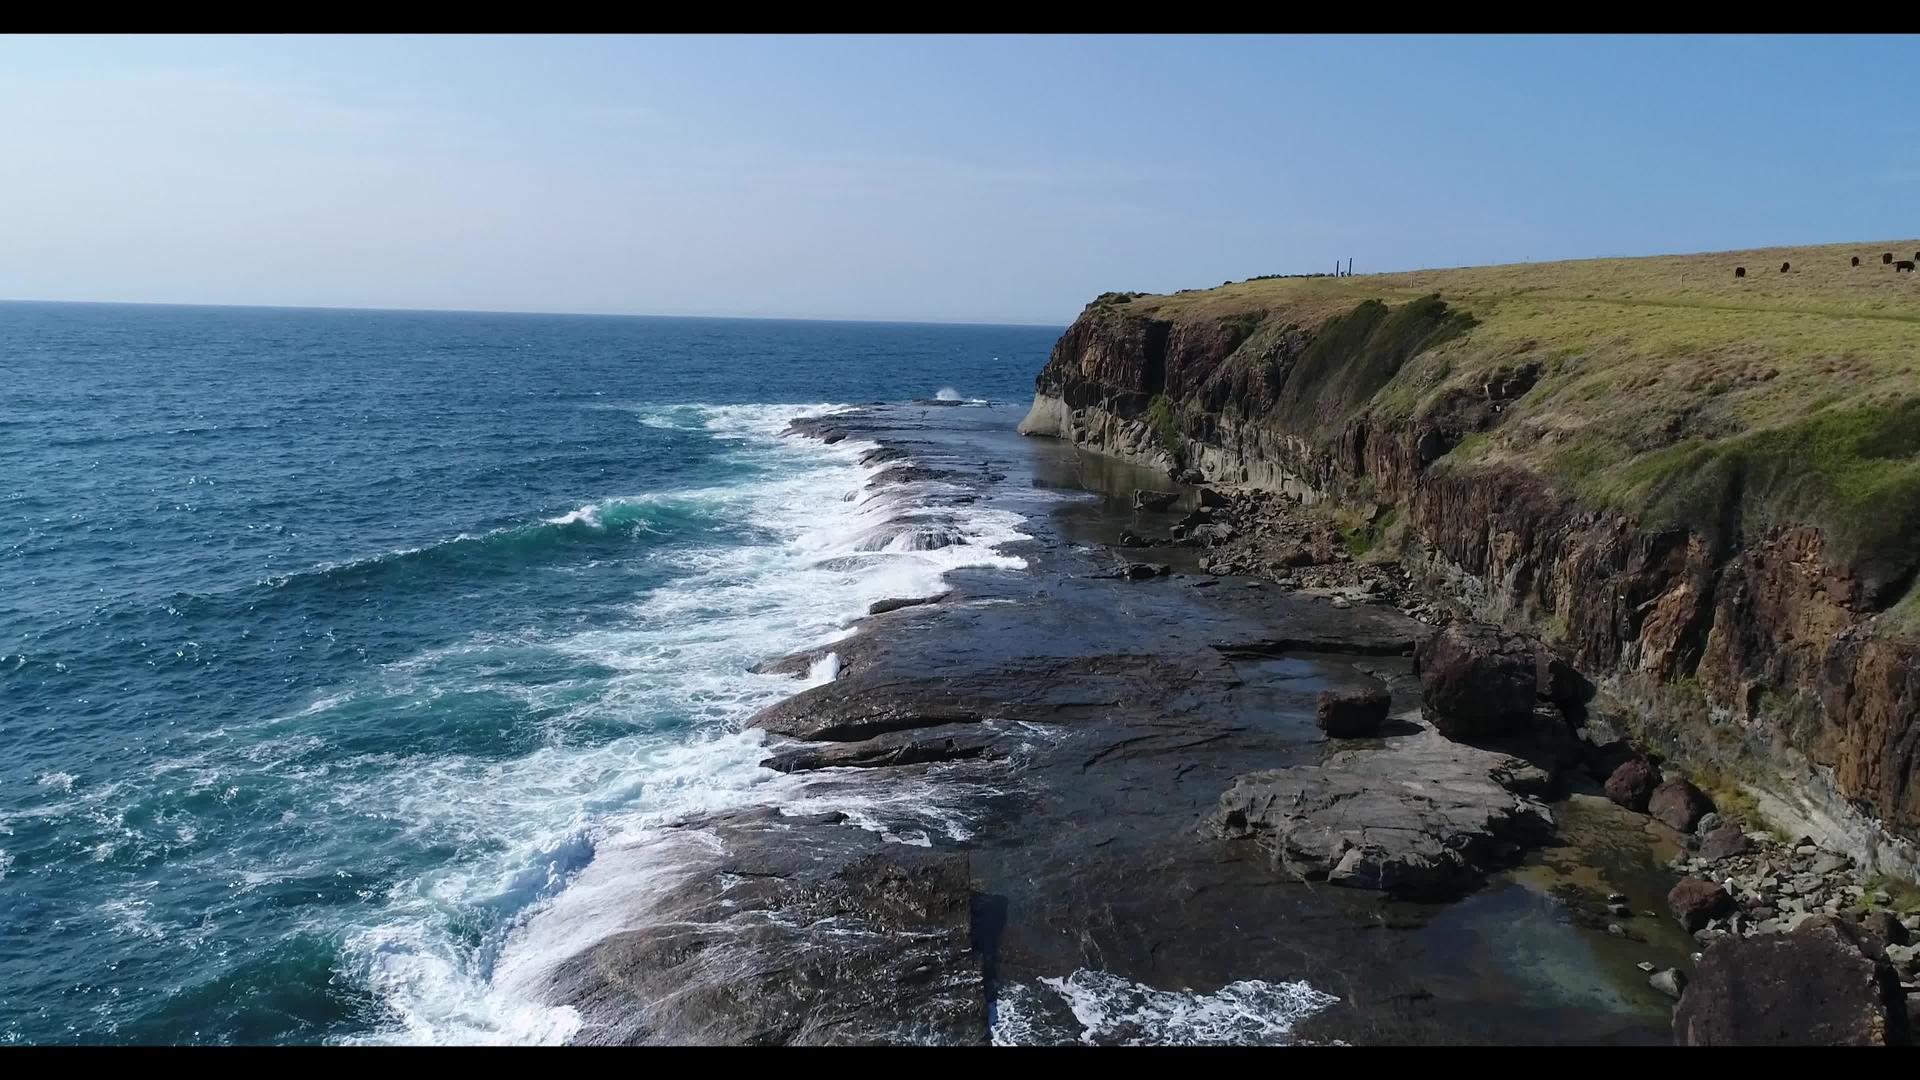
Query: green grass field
(1669, 388)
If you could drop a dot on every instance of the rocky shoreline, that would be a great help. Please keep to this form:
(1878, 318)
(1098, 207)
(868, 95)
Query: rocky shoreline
(1737, 640)
(1264, 791)
(1743, 882)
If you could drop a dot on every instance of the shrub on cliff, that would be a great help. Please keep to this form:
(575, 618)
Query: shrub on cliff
(1165, 431)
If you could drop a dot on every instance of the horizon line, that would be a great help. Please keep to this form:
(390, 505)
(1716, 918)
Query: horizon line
(554, 314)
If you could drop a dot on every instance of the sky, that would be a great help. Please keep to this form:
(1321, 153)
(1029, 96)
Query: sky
(946, 179)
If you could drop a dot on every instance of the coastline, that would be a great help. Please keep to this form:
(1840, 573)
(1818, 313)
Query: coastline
(1072, 731)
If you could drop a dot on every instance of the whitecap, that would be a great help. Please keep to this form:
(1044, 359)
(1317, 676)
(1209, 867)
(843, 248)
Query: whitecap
(1111, 1010)
(561, 846)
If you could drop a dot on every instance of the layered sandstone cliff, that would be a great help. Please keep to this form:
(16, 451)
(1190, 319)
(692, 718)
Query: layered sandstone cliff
(1724, 533)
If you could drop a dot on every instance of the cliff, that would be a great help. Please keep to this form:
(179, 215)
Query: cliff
(1704, 490)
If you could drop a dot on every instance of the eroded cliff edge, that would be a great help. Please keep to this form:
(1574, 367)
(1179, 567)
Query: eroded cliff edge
(1704, 491)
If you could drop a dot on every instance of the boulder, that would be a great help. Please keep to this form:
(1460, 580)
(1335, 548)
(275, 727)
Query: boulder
(1670, 982)
(1477, 681)
(1423, 818)
(1292, 555)
(1211, 498)
(1633, 783)
(1559, 683)
(1821, 984)
(1144, 499)
(1349, 714)
(1678, 804)
(1887, 927)
(1724, 843)
(1695, 903)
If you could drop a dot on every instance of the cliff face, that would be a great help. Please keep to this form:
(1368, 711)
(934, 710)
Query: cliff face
(1752, 652)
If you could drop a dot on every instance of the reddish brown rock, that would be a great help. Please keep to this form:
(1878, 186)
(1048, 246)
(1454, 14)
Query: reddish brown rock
(1824, 984)
(1695, 902)
(1724, 843)
(1678, 804)
(1477, 681)
(1348, 714)
(1633, 783)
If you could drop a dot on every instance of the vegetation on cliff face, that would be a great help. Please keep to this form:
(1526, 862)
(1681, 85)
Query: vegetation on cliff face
(1661, 387)
(1166, 431)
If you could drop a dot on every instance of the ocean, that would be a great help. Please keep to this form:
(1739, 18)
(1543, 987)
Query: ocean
(334, 644)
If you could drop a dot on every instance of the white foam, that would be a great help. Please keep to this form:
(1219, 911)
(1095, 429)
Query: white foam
(1110, 1010)
(59, 781)
(566, 842)
(948, 393)
(824, 670)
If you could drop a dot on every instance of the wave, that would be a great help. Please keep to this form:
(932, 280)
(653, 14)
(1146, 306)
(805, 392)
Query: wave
(594, 523)
(948, 396)
(1106, 1009)
(773, 560)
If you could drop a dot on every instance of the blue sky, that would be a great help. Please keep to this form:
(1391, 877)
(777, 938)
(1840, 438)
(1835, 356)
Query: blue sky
(974, 179)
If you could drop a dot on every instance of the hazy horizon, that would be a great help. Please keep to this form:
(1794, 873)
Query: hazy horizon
(961, 180)
(554, 314)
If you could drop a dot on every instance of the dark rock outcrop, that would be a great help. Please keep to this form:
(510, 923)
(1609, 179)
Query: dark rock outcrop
(1724, 843)
(1886, 926)
(1678, 804)
(1694, 903)
(881, 607)
(1476, 681)
(907, 474)
(1350, 714)
(842, 939)
(1633, 783)
(828, 429)
(884, 751)
(1824, 984)
(880, 455)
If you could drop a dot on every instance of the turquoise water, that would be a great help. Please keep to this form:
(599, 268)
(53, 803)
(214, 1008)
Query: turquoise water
(333, 643)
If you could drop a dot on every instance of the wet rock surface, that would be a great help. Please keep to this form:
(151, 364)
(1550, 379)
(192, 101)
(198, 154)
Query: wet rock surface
(1071, 735)
(1425, 817)
(733, 955)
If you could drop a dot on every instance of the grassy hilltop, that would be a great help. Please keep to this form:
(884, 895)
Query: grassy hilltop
(1667, 387)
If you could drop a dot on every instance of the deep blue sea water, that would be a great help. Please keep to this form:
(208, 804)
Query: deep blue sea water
(332, 642)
